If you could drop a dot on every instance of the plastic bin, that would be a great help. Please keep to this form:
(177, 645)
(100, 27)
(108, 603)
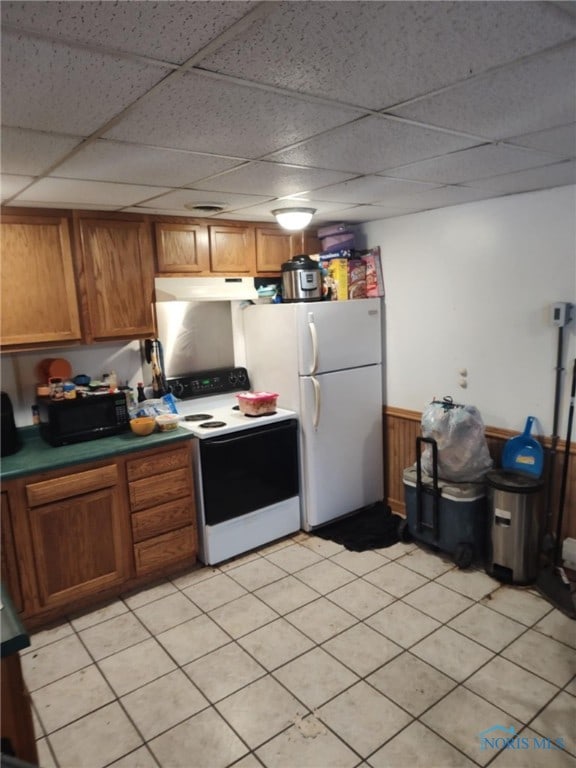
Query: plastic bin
(514, 508)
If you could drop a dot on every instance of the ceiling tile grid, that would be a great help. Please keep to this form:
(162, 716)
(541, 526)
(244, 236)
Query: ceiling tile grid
(360, 109)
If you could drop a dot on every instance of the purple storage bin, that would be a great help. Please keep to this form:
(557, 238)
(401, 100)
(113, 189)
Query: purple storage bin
(338, 242)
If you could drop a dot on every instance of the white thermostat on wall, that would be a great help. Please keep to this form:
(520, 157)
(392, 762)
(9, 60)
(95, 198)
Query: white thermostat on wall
(561, 313)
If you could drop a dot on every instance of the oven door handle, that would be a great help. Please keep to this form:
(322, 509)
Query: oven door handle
(317, 401)
(248, 433)
(314, 339)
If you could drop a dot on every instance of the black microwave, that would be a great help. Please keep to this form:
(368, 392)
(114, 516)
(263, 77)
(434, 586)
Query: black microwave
(83, 418)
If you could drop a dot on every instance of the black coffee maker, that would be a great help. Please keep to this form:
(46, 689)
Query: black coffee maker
(10, 440)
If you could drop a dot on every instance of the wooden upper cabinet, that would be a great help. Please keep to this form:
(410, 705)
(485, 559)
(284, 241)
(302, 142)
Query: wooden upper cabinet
(117, 276)
(232, 249)
(275, 246)
(37, 285)
(182, 248)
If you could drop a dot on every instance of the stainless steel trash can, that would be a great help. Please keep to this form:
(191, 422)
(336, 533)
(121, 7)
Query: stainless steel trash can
(514, 509)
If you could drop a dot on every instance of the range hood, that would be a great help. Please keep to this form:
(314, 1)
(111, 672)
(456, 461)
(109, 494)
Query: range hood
(205, 289)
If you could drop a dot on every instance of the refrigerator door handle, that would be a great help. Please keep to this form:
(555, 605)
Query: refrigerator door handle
(317, 401)
(314, 338)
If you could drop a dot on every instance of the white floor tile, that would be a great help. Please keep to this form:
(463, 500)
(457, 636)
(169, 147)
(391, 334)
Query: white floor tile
(452, 653)
(149, 594)
(90, 618)
(260, 711)
(286, 595)
(193, 639)
(256, 573)
(48, 636)
(360, 598)
(307, 743)
(548, 658)
(96, 739)
(359, 562)
(45, 757)
(315, 677)
(559, 627)
(163, 703)
(71, 697)
(411, 683)
(402, 623)
(140, 758)
(557, 721)
(203, 740)
(167, 612)
(113, 635)
(320, 620)
(325, 576)
(363, 718)
(515, 690)
(243, 615)
(323, 547)
(362, 649)
(419, 747)
(518, 604)
(51, 662)
(224, 671)
(136, 666)
(487, 627)
(461, 717)
(211, 593)
(396, 579)
(293, 558)
(533, 756)
(473, 584)
(276, 643)
(426, 563)
(438, 602)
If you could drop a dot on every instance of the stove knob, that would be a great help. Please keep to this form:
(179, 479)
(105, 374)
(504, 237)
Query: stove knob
(177, 389)
(241, 377)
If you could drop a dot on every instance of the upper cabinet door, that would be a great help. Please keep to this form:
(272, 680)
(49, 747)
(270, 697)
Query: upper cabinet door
(118, 276)
(38, 290)
(232, 249)
(182, 248)
(273, 248)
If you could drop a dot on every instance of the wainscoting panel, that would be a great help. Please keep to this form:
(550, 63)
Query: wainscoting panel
(401, 427)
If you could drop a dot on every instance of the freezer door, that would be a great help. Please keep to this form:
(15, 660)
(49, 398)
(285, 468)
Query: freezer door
(334, 335)
(342, 457)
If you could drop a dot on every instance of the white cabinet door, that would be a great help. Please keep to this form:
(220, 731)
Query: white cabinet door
(342, 457)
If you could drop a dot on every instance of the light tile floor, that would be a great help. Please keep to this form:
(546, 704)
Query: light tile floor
(306, 655)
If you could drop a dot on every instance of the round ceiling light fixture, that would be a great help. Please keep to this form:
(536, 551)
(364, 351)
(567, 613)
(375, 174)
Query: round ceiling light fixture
(293, 218)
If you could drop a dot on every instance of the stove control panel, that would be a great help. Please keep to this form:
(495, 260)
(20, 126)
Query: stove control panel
(219, 381)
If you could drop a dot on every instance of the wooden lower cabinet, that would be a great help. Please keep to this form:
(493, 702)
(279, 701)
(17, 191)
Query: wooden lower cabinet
(79, 539)
(83, 535)
(161, 496)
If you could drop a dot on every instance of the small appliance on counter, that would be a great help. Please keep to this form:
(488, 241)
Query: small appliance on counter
(63, 422)
(10, 441)
(301, 280)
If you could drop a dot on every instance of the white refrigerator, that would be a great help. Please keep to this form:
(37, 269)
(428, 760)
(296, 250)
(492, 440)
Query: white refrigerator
(324, 359)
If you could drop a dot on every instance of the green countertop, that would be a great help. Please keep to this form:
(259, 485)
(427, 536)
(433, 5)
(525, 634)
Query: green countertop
(38, 456)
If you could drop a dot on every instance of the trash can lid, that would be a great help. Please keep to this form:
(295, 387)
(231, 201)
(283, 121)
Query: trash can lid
(504, 480)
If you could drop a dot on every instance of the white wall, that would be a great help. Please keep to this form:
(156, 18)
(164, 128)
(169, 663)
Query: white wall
(18, 371)
(471, 286)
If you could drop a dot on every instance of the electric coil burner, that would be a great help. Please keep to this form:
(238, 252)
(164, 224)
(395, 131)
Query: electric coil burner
(246, 470)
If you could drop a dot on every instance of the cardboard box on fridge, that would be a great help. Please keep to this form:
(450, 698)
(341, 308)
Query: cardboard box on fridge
(374, 276)
(344, 279)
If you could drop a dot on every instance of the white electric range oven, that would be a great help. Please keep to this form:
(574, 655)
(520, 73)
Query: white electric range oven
(245, 467)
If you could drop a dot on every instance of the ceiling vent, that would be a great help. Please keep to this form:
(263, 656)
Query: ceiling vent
(204, 207)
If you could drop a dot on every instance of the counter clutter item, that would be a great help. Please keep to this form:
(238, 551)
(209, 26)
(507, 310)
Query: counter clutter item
(167, 422)
(143, 425)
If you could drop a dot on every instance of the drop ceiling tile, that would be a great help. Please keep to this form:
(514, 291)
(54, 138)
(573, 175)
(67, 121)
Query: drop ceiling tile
(528, 96)
(177, 199)
(557, 175)
(471, 164)
(65, 191)
(560, 141)
(357, 52)
(171, 31)
(264, 209)
(272, 179)
(363, 213)
(204, 114)
(10, 185)
(136, 164)
(442, 196)
(371, 145)
(370, 189)
(33, 152)
(51, 87)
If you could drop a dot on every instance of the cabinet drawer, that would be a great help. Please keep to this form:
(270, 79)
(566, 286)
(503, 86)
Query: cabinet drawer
(167, 517)
(153, 554)
(67, 486)
(161, 462)
(159, 489)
